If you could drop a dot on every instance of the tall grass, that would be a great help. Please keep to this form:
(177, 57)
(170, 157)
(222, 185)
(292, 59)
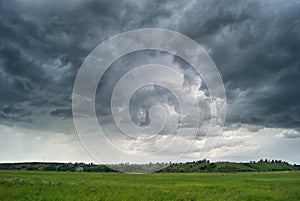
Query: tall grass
(25, 185)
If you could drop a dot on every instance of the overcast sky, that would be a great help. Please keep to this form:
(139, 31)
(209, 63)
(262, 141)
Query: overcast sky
(254, 44)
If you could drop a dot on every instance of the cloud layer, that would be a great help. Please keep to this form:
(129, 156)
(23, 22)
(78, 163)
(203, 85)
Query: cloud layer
(254, 44)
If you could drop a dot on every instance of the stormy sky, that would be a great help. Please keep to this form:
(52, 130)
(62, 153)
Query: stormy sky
(254, 44)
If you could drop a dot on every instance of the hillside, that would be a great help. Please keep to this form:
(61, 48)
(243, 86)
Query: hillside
(195, 166)
(59, 167)
(206, 166)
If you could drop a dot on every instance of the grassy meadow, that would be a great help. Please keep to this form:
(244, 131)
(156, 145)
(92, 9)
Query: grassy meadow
(31, 185)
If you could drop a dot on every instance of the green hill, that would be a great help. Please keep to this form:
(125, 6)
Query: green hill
(195, 166)
(59, 167)
(206, 166)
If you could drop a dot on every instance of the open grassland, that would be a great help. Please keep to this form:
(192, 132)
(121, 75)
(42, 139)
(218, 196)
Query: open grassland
(25, 185)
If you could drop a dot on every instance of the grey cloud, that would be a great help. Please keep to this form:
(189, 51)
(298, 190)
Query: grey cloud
(255, 45)
(61, 113)
(291, 133)
(15, 114)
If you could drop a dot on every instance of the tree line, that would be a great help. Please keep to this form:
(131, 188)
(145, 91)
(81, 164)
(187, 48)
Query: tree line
(194, 166)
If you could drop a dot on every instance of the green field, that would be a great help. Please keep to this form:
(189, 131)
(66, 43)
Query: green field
(25, 185)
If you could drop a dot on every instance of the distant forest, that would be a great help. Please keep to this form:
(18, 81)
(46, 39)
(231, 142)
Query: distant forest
(195, 166)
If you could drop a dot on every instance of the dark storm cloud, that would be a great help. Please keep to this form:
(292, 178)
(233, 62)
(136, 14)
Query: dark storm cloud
(15, 114)
(61, 112)
(42, 44)
(255, 45)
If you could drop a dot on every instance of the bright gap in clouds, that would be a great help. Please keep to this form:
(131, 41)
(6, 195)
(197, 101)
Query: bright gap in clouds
(188, 85)
(22, 145)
